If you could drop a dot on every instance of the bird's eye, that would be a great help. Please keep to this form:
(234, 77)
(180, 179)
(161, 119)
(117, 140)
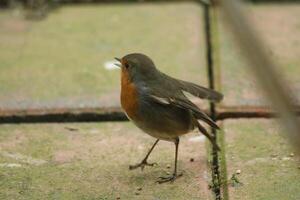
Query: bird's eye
(126, 65)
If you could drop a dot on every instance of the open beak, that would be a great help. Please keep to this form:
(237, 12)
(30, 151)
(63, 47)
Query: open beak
(118, 64)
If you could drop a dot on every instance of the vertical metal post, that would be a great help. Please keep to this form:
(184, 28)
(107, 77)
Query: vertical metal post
(210, 68)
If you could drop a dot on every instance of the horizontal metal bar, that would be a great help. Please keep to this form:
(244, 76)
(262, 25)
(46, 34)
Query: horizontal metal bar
(233, 112)
(61, 115)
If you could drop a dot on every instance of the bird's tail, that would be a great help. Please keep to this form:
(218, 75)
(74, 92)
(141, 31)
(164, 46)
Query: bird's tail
(209, 136)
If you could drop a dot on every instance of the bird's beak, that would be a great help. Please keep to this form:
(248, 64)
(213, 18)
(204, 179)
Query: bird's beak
(118, 64)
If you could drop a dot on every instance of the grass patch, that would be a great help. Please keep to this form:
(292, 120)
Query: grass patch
(59, 60)
(277, 26)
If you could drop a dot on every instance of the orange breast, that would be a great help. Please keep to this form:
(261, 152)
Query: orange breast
(129, 96)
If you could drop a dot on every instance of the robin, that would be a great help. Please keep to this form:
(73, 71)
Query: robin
(156, 103)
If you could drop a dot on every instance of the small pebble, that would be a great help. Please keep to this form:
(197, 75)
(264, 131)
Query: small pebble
(168, 166)
(192, 160)
(137, 193)
(139, 188)
(238, 171)
(286, 158)
(71, 129)
(274, 155)
(292, 154)
(168, 173)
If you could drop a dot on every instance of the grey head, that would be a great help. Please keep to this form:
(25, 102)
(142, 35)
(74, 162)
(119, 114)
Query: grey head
(139, 67)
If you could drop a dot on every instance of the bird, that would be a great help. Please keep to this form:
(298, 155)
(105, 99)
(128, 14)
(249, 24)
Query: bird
(158, 105)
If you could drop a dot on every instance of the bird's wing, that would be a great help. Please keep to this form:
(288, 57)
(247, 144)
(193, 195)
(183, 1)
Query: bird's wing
(199, 91)
(194, 89)
(182, 102)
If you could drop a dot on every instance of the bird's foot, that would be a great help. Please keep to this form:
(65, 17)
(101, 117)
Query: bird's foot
(172, 178)
(142, 165)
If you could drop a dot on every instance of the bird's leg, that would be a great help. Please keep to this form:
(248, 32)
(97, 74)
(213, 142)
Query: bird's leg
(144, 161)
(174, 175)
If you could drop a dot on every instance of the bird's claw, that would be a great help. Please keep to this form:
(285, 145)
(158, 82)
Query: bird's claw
(141, 165)
(172, 178)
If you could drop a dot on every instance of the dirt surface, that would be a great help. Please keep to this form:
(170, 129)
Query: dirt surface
(90, 161)
(261, 159)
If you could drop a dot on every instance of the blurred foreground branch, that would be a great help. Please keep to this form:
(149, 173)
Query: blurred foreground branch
(262, 67)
